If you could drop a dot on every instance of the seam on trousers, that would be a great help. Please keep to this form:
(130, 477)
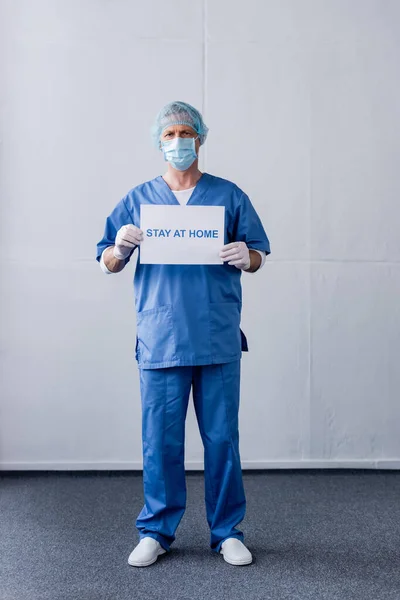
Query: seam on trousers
(163, 453)
(202, 431)
(229, 430)
(225, 404)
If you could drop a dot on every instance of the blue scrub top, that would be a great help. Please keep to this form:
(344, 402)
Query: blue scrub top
(189, 314)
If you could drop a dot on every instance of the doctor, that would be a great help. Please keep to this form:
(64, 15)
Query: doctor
(188, 337)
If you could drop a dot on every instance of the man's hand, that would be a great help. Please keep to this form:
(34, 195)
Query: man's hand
(236, 254)
(127, 238)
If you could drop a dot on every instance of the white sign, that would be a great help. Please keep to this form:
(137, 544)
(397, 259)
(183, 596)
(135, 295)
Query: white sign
(181, 235)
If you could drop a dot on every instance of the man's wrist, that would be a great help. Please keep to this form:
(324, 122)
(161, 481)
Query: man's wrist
(255, 262)
(113, 264)
(120, 255)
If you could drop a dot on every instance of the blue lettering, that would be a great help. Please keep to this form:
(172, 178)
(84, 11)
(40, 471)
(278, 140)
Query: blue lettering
(149, 233)
(204, 233)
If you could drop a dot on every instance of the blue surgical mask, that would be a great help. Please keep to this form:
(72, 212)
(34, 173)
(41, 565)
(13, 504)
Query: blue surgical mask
(180, 152)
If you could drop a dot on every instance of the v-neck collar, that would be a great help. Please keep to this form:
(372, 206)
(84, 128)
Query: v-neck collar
(197, 197)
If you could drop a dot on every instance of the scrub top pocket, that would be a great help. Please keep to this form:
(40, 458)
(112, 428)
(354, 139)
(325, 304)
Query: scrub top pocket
(155, 335)
(226, 339)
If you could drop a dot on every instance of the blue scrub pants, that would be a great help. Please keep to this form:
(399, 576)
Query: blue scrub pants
(165, 396)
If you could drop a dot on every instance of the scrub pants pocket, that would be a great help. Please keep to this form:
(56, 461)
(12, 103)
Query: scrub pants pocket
(155, 335)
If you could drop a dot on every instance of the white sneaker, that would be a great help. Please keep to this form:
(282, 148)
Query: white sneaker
(235, 552)
(146, 552)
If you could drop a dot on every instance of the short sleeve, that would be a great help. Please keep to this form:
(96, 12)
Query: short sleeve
(120, 216)
(248, 227)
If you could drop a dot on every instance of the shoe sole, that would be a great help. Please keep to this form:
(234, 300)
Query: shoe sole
(146, 564)
(236, 563)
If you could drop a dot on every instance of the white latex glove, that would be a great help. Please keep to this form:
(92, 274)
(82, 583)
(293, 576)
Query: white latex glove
(126, 239)
(236, 254)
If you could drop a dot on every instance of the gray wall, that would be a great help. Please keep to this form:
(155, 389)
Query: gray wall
(302, 101)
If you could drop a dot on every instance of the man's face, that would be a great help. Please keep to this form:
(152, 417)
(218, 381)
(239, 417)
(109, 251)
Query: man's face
(183, 131)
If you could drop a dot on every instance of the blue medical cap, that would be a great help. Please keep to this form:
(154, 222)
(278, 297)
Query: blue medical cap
(179, 113)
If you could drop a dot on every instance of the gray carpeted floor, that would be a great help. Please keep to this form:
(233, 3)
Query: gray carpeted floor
(314, 535)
